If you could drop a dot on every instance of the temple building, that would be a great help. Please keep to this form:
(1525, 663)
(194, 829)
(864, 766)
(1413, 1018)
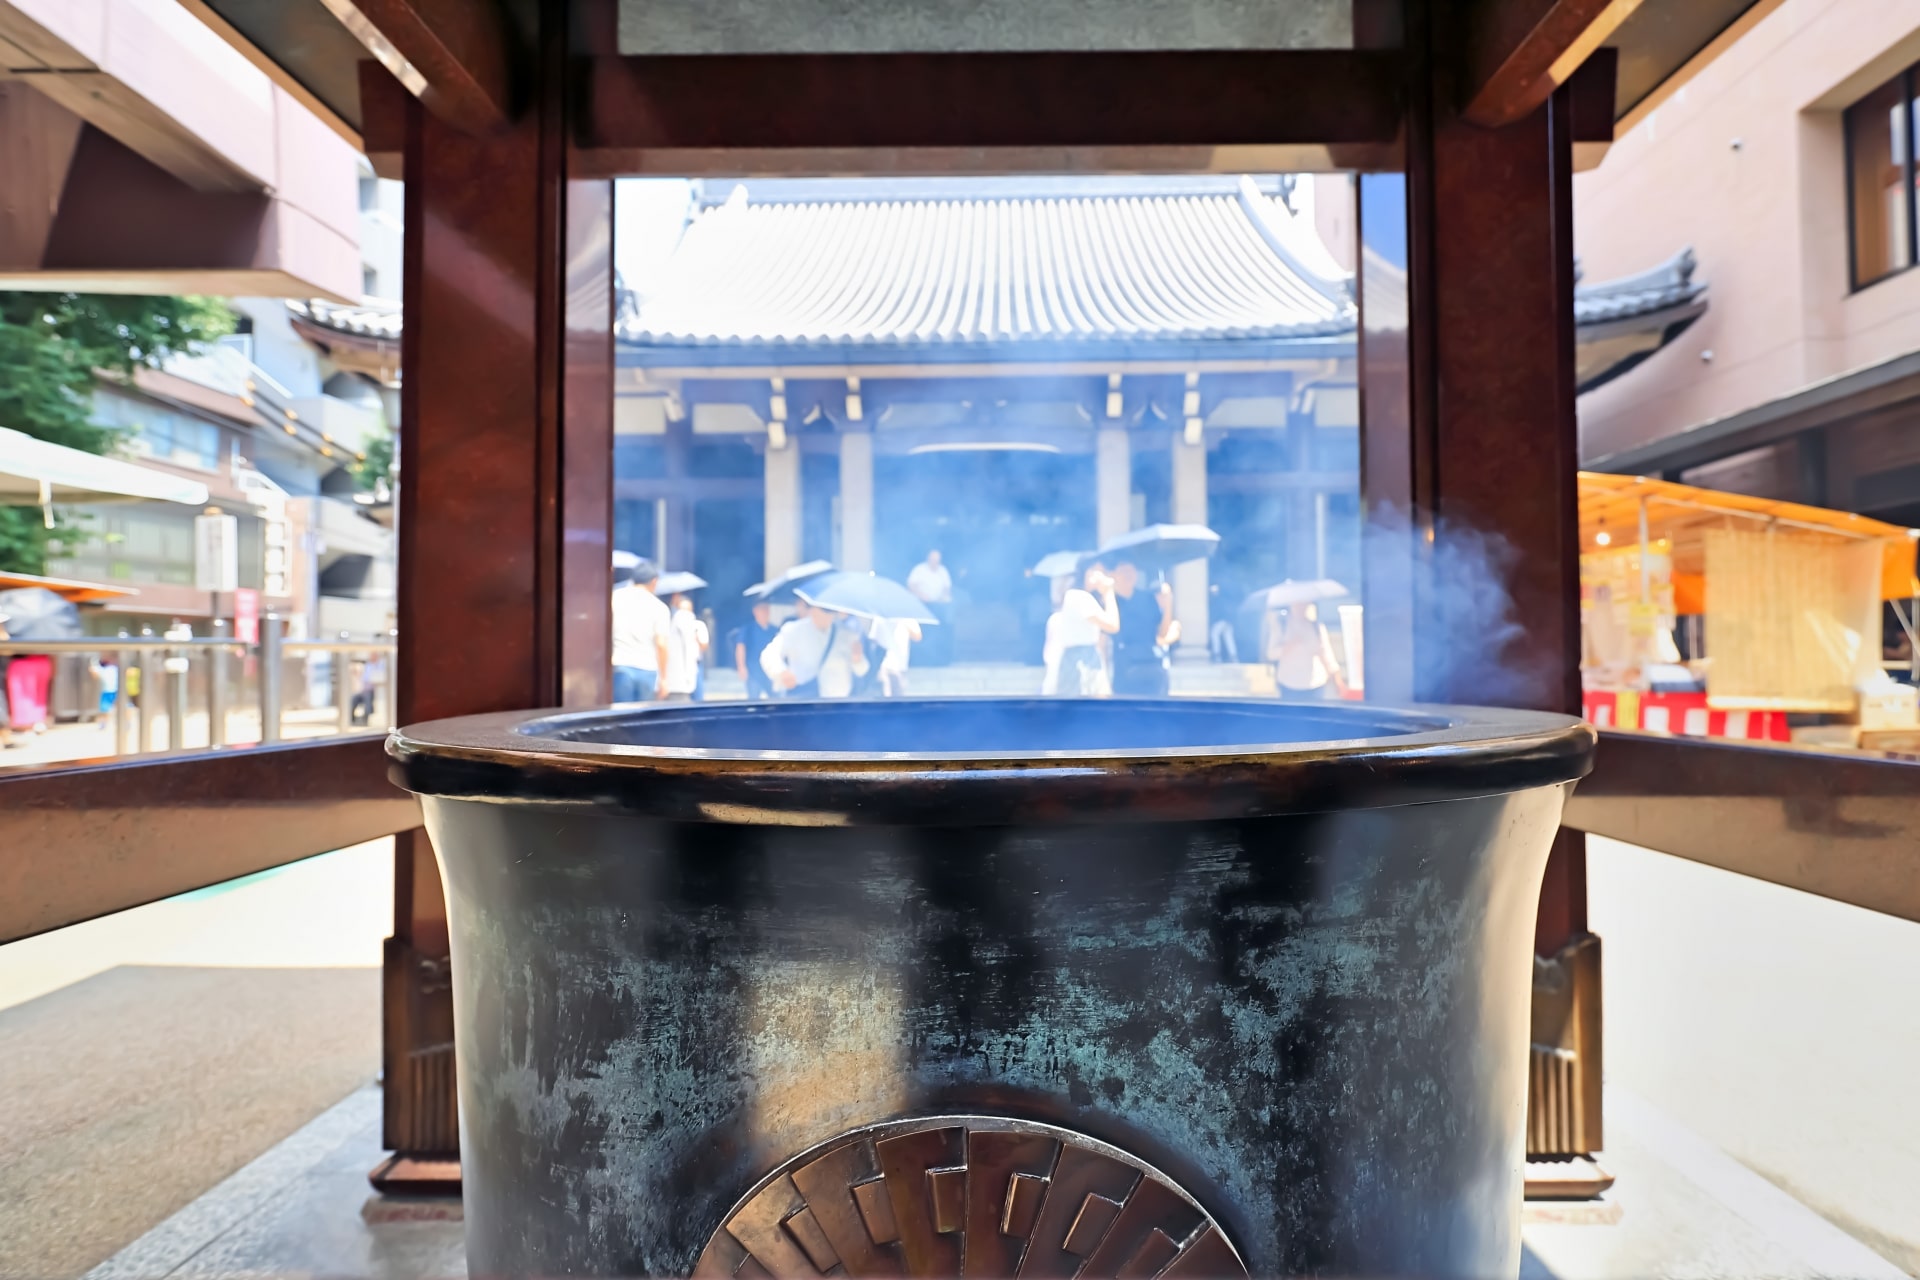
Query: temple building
(1001, 368)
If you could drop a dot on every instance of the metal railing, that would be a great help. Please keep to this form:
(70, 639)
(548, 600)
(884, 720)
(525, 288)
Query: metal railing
(158, 674)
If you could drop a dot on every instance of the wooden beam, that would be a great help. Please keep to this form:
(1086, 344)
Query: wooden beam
(505, 492)
(457, 56)
(383, 120)
(79, 841)
(1519, 51)
(1845, 827)
(967, 112)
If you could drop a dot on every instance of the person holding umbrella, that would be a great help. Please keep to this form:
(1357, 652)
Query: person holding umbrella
(1305, 666)
(6, 707)
(33, 613)
(1147, 632)
(748, 643)
(642, 633)
(1072, 655)
(813, 656)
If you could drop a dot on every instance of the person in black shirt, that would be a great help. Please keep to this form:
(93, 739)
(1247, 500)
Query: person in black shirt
(748, 642)
(1147, 634)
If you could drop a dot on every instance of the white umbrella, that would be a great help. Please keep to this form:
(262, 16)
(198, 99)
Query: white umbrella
(1311, 591)
(34, 473)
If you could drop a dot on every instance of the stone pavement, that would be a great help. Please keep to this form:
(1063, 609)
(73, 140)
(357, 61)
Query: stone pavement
(1682, 1209)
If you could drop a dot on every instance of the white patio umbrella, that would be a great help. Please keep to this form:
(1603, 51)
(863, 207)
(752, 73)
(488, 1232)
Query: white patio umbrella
(35, 473)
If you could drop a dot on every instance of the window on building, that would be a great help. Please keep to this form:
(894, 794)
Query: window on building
(1880, 194)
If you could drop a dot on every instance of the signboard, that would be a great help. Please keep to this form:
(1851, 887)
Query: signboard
(246, 615)
(216, 553)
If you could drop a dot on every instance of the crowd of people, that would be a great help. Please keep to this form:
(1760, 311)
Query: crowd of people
(659, 645)
(1112, 633)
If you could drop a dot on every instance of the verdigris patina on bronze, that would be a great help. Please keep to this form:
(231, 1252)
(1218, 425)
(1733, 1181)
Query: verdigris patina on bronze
(1280, 954)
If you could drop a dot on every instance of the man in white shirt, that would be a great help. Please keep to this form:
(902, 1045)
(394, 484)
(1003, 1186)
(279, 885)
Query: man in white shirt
(934, 585)
(814, 657)
(683, 660)
(930, 580)
(642, 632)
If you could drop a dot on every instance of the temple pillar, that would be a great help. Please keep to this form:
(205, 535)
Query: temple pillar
(1189, 506)
(1112, 484)
(856, 500)
(783, 508)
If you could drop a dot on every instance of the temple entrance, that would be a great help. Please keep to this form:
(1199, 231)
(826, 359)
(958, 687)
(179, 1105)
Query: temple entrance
(992, 513)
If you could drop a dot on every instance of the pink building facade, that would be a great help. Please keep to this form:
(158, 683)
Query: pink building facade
(1802, 380)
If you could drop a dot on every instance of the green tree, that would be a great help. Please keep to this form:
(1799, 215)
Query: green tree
(376, 466)
(52, 345)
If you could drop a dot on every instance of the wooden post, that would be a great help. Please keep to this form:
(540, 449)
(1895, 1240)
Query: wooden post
(505, 501)
(1471, 452)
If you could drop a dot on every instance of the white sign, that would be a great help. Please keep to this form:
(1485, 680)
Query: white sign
(216, 553)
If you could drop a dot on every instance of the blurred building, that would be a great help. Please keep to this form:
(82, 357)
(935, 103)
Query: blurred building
(145, 154)
(1788, 160)
(1003, 368)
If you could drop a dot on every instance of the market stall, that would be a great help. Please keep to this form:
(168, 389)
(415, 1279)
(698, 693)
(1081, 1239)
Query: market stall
(1719, 615)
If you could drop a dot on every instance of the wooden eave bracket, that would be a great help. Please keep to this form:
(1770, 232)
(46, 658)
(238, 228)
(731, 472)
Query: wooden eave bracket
(456, 56)
(1519, 51)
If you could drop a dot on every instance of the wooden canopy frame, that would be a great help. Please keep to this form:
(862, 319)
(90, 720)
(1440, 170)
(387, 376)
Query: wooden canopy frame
(509, 120)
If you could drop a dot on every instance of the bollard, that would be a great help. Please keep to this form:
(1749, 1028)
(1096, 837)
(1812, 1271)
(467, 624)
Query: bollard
(342, 663)
(270, 678)
(123, 661)
(176, 667)
(143, 719)
(216, 688)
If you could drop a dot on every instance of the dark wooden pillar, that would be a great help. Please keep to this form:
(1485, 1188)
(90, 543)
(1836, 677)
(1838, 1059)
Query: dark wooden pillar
(1471, 454)
(505, 498)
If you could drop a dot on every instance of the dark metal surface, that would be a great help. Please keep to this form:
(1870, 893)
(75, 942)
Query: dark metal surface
(980, 1196)
(1839, 825)
(1314, 1023)
(981, 761)
(81, 840)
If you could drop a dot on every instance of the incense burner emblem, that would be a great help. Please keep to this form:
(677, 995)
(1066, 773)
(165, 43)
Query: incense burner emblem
(968, 1196)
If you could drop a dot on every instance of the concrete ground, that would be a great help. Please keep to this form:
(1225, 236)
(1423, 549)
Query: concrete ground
(1783, 1028)
(146, 1056)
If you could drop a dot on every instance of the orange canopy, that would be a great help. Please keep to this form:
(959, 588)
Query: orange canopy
(1610, 505)
(67, 588)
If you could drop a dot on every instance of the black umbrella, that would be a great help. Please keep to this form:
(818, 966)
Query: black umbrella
(864, 595)
(1159, 547)
(35, 613)
(779, 590)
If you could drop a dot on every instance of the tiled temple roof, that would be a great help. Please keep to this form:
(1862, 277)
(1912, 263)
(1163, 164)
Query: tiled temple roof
(987, 270)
